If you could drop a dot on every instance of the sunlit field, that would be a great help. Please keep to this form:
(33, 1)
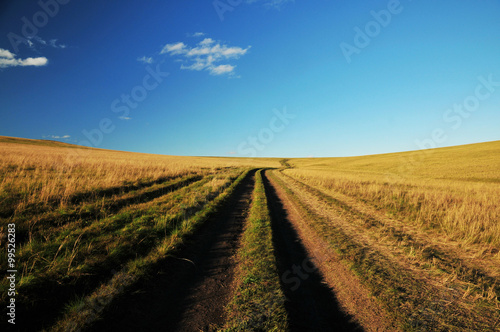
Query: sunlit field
(453, 190)
(421, 229)
(418, 232)
(83, 214)
(51, 174)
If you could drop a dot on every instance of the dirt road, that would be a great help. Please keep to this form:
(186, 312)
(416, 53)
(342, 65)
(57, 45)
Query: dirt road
(189, 291)
(348, 306)
(312, 305)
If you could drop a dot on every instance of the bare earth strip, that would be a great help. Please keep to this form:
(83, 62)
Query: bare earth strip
(45, 298)
(189, 291)
(429, 302)
(311, 304)
(351, 295)
(478, 259)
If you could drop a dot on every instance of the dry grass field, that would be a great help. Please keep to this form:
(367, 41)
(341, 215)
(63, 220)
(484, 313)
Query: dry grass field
(405, 241)
(44, 174)
(83, 214)
(453, 190)
(426, 226)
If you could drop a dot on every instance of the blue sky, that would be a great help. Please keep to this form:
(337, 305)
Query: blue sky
(243, 78)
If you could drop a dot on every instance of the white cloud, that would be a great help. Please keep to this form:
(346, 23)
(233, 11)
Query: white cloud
(53, 42)
(124, 118)
(207, 41)
(195, 66)
(8, 59)
(57, 137)
(198, 34)
(221, 69)
(206, 55)
(145, 59)
(40, 61)
(40, 40)
(6, 54)
(177, 48)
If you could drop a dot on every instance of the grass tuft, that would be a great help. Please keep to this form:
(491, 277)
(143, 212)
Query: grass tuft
(258, 302)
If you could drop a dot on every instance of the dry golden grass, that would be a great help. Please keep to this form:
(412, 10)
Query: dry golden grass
(82, 214)
(421, 229)
(424, 280)
(453, 190)
(38, 173)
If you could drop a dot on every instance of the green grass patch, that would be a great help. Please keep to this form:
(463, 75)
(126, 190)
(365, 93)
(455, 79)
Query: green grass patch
(258, 302)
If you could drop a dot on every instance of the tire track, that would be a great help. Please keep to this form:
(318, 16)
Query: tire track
(89, 196)
(421, 299)
(448, 256)
(312, 306)
(54, 222)
(45, 300)
(188, 292)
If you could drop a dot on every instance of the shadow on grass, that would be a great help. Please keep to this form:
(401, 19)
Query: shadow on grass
(188, 292)
(311, 304)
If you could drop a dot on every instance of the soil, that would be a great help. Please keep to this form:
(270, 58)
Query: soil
(189, 291)
(352, 307)
(311, 305)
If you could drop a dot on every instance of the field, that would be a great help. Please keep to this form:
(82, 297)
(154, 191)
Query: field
(109, 240)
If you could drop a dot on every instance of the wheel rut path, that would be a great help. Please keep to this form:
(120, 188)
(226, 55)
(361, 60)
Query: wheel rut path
(189, 291)
(311, 304)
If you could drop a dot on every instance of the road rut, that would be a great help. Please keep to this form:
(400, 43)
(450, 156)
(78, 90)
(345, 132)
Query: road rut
(189, 291)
